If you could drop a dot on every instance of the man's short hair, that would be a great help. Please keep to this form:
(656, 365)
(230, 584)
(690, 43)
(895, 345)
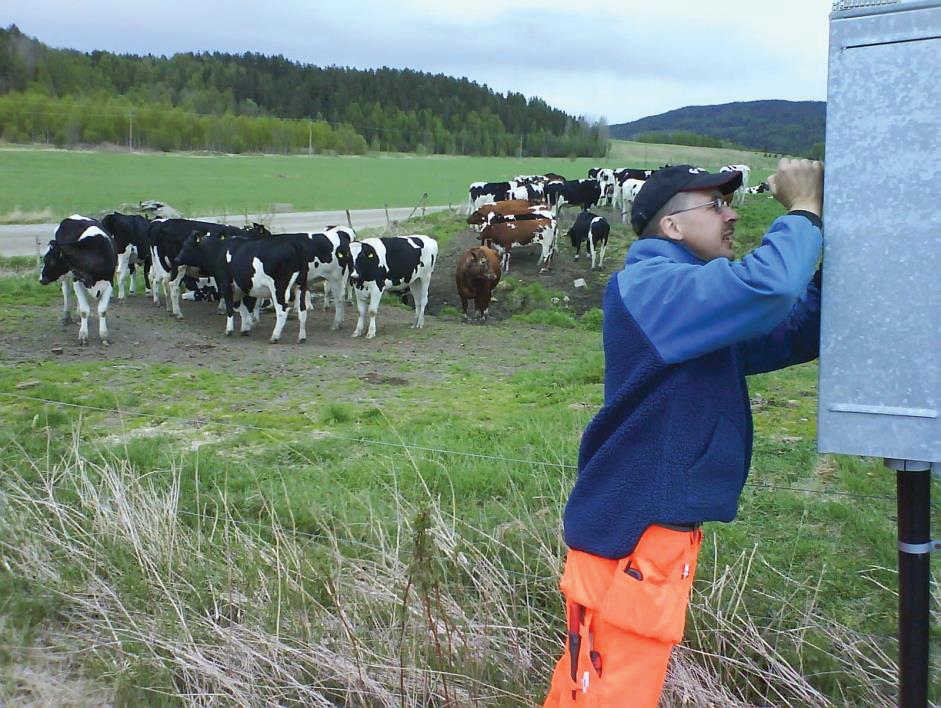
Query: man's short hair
(677, 201)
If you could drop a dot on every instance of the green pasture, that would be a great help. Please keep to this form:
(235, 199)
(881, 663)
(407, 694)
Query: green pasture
(361, 475)
(68, 181)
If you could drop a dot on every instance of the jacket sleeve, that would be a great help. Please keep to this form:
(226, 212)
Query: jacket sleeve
(794, 341)
(687, 310)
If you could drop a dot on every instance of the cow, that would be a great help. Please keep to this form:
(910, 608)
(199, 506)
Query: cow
(760, 189)
(486, 193)
(82, 255)
(553, 177)
(325, 259)
(607, 182)
(397, 264)
(247, 267)
(583, 192)
(506, 206)
(477, 274)
(129, 234)
(505, 236)
(533, 212)
(623, 173)
(166, 238)
(738, 196)
(595, 230)
(624, 195)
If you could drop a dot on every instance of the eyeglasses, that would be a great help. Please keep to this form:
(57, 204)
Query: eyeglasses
(717, 204)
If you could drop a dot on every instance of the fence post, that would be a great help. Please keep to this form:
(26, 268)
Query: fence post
(130, 131)
(348, 219)
(387, 216)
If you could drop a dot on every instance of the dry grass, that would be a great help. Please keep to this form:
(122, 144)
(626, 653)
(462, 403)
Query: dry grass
(415, 610)
(25, 216)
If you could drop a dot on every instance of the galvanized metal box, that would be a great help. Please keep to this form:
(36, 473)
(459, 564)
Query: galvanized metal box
(880, 359)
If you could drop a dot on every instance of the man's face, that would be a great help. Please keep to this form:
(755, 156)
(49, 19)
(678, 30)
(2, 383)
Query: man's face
(707, 232)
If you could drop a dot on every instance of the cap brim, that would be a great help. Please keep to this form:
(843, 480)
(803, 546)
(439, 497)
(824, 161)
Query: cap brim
(726, 182)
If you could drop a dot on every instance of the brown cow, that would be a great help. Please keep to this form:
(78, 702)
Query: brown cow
(503, 237)
(507, 206)
(478, 272)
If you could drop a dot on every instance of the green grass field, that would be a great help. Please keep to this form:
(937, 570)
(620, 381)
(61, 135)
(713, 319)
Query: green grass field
(308, 532)
(63, 182)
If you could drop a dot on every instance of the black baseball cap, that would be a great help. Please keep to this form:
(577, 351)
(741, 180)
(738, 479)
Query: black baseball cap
(666, 182)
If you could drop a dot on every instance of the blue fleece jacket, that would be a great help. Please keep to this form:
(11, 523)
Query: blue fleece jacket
(673, 441)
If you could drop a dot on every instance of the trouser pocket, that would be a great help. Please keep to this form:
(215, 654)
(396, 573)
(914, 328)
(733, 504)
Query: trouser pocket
(649, 593)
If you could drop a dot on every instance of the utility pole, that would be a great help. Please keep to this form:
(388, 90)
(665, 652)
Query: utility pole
(310, 138)
(130, 130)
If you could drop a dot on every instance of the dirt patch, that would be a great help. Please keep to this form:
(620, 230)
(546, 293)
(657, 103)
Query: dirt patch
(561, 277)
(141, 334)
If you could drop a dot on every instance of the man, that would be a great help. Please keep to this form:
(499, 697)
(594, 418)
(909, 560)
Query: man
(671, 447)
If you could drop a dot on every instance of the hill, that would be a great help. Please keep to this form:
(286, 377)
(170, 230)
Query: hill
(791, 127)
(270, 102)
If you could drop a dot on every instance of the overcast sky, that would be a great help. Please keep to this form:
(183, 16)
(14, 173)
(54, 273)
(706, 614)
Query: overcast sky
(623, 60)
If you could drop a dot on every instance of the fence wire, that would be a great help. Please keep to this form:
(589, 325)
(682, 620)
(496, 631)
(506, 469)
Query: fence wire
(322, 434)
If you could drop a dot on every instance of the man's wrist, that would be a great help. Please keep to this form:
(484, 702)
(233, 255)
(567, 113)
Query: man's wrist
(809, 215)
(813, 206)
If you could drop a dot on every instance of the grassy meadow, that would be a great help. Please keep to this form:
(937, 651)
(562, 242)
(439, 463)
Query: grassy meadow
(55, 183)
(382, 527)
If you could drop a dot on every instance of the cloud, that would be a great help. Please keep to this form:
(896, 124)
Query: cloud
(619, 59)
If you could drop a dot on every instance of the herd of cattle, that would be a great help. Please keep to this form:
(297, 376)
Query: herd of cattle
(245, 265)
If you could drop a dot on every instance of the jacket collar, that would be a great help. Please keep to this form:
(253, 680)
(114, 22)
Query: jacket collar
(656, 246)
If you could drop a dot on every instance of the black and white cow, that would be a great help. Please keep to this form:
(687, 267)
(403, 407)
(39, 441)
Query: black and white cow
(595, 230)
(248, 267)
(166, 239)
(129, 234)
(486, 193)
(82, 256)
(624, 195)
(623, 173)
(738, 196)
(583, 192)
(760, 189)
(326, 259)
(396, 264)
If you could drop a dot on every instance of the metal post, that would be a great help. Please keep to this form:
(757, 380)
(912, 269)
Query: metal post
(310, 138)
(913, 483)
(130, 130)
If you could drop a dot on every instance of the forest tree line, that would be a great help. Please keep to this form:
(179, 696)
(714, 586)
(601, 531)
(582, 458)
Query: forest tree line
(251, 102)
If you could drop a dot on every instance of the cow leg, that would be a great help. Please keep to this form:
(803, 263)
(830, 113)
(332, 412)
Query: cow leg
(506, 261)
(336, 289)
(66, 286)
(303, 298)
(326, 294)
(604, 247)
(482, 302)
(227, 301)
(591, 248)
(104, 298)
(123, 259)
(247, 307)
(279, 300)
(420, 292)
(83, 309)
(375, 295)
(362, 303)
(173, 301)
(464, 302)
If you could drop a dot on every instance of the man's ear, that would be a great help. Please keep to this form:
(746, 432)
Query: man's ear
(670, 228)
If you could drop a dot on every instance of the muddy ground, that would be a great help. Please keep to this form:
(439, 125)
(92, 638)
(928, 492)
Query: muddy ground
(138, 330)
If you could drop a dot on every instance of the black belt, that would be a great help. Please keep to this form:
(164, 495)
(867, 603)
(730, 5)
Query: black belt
(680, 527)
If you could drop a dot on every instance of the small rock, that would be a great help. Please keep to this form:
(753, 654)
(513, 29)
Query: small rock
(793, 404)
(579, 283)
(27, 384)
(56, 350)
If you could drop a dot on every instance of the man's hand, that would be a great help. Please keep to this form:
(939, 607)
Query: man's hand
(798, 184)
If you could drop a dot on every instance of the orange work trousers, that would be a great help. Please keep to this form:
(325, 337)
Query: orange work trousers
(623, 619)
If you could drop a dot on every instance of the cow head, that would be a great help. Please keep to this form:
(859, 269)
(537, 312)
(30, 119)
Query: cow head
(107, 222)
(193, 252)
(479, 266)
(54, 264)
(366, 266)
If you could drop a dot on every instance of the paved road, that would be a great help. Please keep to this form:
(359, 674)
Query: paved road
(20, 239)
